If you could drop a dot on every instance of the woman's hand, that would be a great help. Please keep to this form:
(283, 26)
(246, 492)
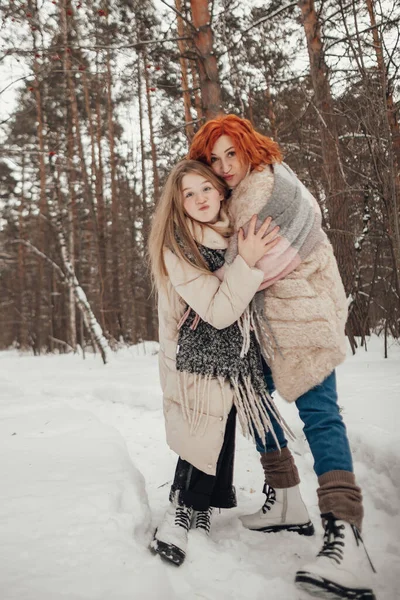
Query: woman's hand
(255, 245)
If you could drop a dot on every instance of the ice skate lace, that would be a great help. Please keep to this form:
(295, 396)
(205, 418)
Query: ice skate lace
(203, 520)
(183, 517)
(270, 499)
(333, 544)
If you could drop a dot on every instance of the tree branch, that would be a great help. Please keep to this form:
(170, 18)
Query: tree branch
(138, 44)
(16, 80)
(39, 253)
(270, 16)
(259, 22)
(182, 126)
(180, 15)
(382, 23)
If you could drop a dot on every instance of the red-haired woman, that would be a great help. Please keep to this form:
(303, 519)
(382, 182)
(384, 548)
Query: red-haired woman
(299, 320)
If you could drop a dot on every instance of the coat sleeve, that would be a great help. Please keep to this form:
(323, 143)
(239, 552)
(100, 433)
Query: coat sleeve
(219, 303)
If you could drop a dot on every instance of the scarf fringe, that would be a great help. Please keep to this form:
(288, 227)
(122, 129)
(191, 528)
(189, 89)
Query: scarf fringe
(201, 400)
(253, 409)
(244, 324)
(183, 318)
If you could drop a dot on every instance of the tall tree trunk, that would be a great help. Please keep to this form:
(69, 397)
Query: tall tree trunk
(207, 62)
(393, 133)
(194, 73)
(101, 209)
(237, 85)
(38, 322)
(134, 253)
(70, 236)
(336, 197)
(22, 329)
(69, 277)
(72, 138)
(116, 295)
(156, 184)
(95, 207)
(189, 129)
(148, 303)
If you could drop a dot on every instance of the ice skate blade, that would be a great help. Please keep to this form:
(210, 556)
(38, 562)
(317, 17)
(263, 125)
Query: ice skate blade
(327, 590)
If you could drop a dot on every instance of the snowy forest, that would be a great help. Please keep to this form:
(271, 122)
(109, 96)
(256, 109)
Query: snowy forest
(108, 95)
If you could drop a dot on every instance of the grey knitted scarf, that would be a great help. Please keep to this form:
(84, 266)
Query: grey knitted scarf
(208, 353)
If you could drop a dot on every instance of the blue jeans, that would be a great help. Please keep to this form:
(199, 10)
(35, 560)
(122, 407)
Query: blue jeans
(323, 426)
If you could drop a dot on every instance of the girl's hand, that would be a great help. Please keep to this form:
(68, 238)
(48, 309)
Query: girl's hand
(255, 245)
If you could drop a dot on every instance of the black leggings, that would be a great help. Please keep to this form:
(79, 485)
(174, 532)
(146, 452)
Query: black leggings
(199, 490)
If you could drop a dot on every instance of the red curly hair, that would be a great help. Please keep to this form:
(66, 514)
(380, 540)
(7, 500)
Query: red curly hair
(250, 146)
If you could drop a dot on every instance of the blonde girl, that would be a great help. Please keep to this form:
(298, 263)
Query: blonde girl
(208, 373)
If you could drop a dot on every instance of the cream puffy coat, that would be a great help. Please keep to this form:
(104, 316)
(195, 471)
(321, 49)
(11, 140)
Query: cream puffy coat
(306, 310)
(220, 304)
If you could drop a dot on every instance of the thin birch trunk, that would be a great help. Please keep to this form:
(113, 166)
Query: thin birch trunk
(71, 139)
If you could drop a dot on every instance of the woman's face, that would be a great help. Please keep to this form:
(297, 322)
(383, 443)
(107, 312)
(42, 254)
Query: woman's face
(225, 163)
(201, 200)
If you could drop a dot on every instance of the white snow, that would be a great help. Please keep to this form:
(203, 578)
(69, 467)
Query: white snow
(85, 474)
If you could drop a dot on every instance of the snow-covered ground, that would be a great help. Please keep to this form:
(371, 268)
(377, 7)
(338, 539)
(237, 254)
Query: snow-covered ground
(85, 472)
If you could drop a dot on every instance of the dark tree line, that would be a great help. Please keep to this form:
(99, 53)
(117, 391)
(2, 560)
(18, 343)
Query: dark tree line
(116, 91)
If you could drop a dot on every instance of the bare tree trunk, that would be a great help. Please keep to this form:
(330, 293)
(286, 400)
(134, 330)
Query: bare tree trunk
(72, 137)
(233, 67)
(393, 132)
(145, 213)
(22, 330)
(184, 72)
(194, 73)
(207, 62)
(71, 204)
(95, 207)
(116, 295)
(134, 211)
(69, 276)
(38, 341)
(156, 184)
(101, 211)
(337, 201)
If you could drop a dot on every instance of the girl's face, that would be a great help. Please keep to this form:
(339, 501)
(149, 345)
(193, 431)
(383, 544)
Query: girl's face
(225, 163)
(201, 200)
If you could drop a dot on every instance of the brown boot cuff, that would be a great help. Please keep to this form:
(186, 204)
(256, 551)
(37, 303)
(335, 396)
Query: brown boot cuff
(279, 469)
(339, 494)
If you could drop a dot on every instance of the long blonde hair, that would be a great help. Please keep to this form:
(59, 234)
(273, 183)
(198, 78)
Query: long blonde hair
(170, 221)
